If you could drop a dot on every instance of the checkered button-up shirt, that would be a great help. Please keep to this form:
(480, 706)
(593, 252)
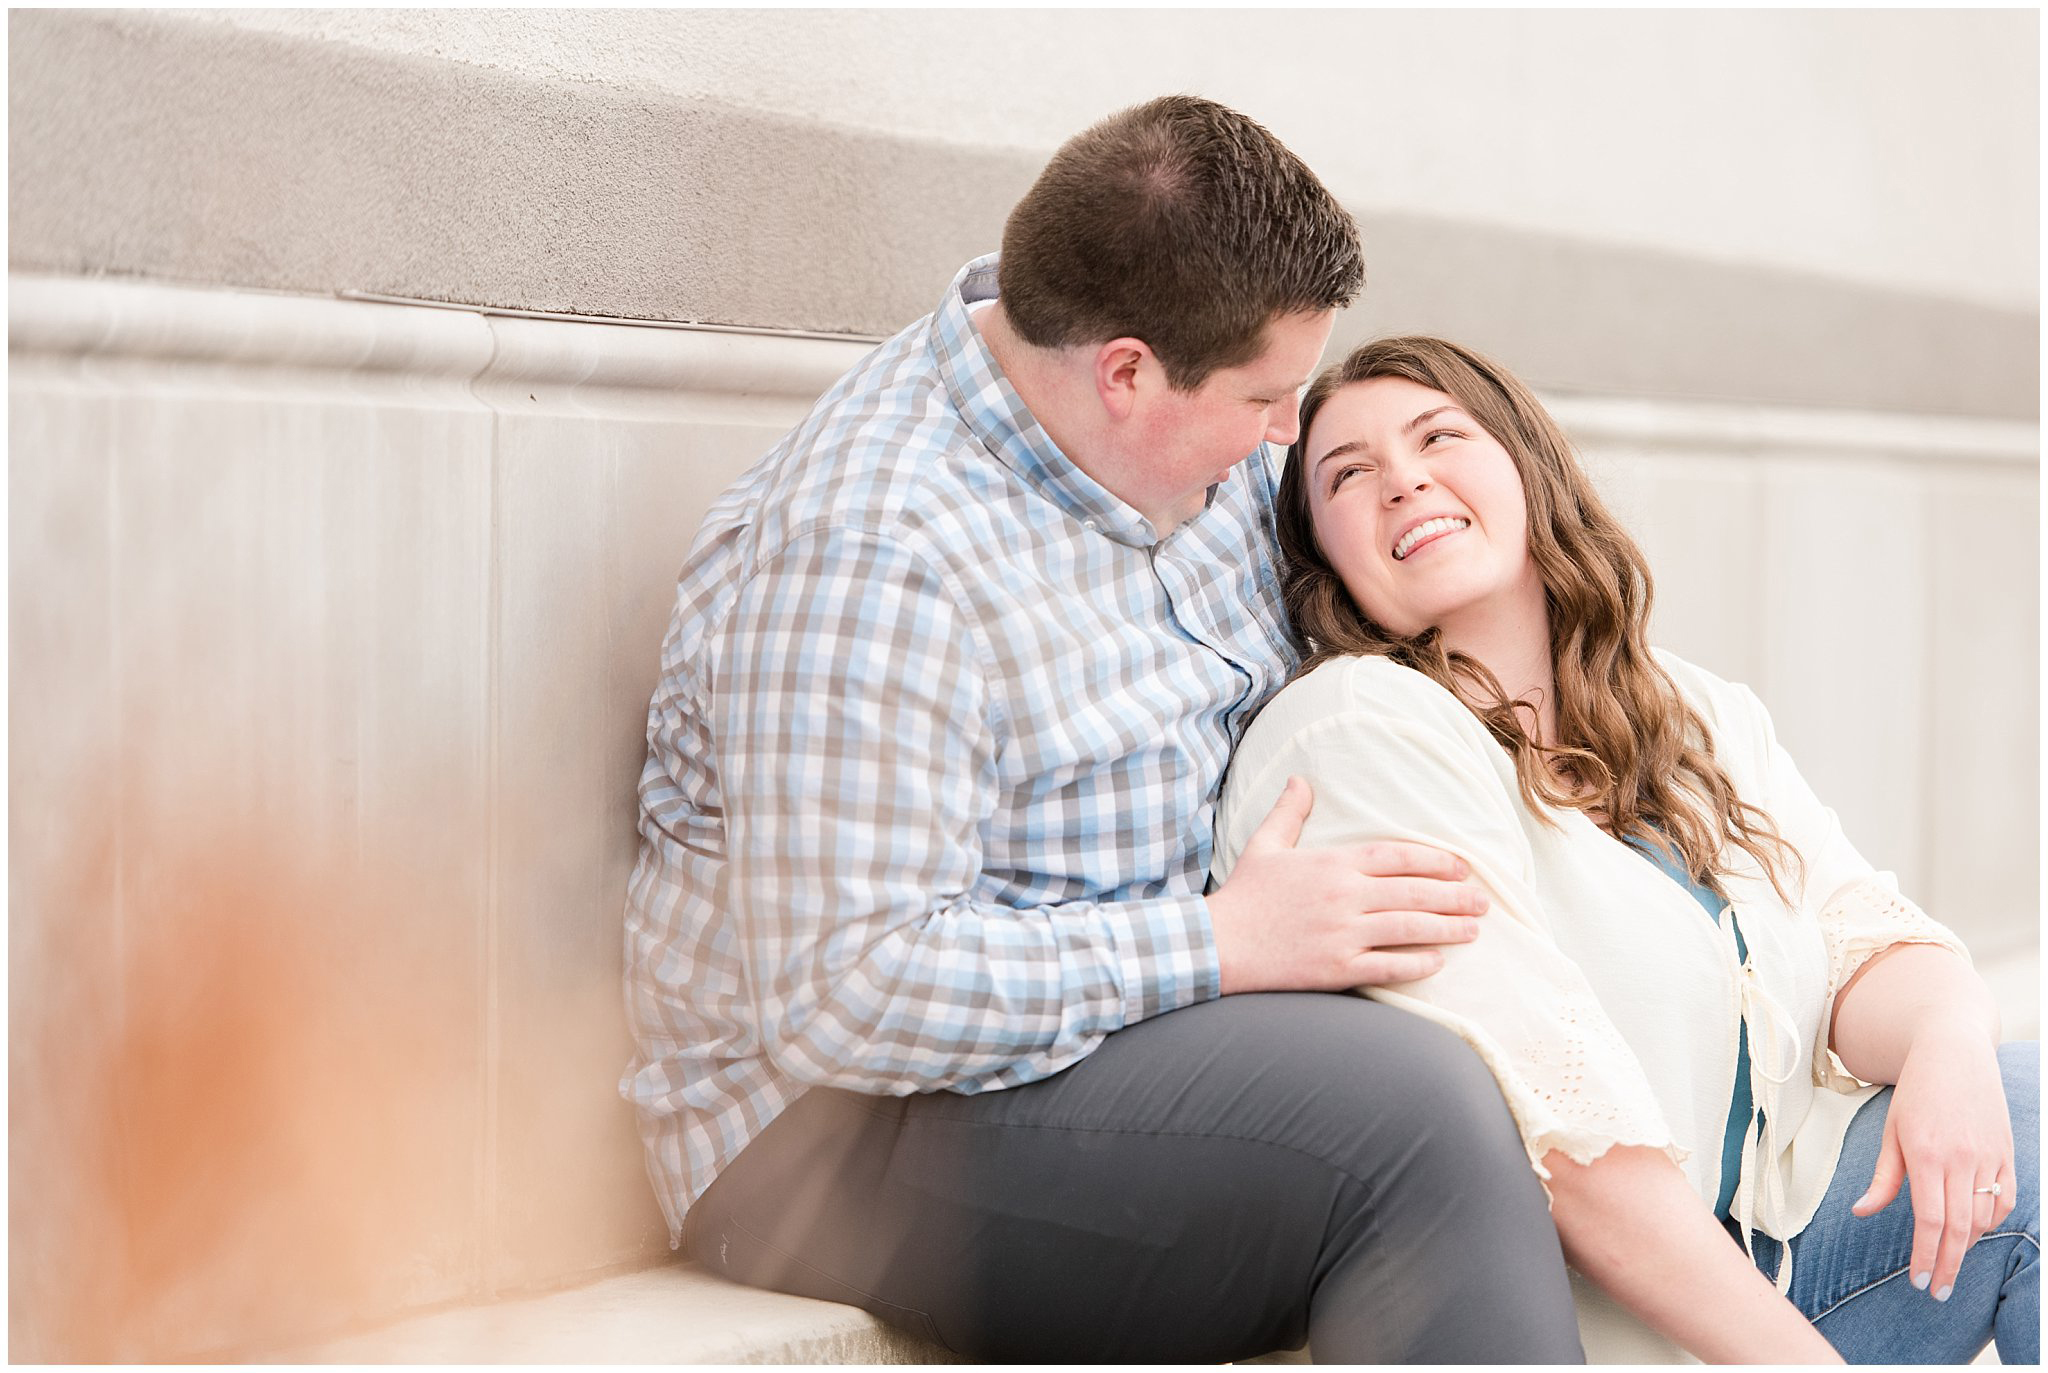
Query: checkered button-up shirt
(934, 758)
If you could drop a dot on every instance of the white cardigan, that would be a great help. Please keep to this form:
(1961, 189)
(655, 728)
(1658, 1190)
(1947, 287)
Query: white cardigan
(1598, 992)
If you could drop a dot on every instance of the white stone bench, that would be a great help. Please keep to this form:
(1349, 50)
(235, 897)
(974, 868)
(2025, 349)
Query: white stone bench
(675, 1313)
(678, 1313)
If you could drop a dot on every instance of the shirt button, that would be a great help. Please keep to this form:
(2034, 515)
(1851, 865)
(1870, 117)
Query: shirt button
(1090, 526)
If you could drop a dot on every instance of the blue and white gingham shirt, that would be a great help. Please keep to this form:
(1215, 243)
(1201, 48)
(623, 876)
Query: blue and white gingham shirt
(934, 758)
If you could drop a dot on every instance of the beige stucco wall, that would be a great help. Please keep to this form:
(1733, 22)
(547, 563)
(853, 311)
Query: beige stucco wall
(1891, 148)
(1808, 209)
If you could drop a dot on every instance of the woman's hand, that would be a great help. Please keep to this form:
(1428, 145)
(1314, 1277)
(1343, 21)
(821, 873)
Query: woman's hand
(1948, 1133)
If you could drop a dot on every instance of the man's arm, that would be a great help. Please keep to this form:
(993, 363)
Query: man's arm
(857, 763)
(857, 755)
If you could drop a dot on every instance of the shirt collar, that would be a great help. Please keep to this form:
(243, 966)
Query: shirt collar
(996, 414)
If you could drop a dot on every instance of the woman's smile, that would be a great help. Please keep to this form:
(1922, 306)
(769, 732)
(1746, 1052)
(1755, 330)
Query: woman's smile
(1428, 532)
(1405, 480)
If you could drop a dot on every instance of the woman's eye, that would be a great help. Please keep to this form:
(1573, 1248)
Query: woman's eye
(1342, 473)
(1433, 435)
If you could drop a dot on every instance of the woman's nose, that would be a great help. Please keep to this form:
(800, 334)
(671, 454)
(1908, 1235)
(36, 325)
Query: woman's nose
(1406, 479)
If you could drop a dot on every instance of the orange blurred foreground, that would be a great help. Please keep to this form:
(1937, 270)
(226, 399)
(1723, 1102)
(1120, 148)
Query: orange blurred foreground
(222, 1115)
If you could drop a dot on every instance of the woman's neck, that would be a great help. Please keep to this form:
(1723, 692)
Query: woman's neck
(1511, 637)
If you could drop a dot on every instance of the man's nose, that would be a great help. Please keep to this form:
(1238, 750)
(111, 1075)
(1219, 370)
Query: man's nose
(1284, 425)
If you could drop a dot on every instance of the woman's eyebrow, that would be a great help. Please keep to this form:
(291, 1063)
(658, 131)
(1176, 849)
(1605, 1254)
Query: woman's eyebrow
(1425, 417)
(1351, 446)
(1358, 445)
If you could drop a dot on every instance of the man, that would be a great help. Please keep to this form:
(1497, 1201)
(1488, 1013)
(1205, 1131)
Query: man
(933, 1014)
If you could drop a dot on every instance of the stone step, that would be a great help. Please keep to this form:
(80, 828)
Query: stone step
(676, 1313)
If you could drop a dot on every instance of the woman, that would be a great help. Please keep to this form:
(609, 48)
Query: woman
(1690, 984)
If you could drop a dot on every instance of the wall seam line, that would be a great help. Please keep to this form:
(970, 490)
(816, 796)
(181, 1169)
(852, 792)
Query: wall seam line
(488, 1161)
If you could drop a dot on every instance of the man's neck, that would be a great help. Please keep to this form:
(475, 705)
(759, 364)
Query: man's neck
(1061, 397)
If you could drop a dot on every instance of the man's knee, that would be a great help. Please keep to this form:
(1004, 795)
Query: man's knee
(1365, 1085)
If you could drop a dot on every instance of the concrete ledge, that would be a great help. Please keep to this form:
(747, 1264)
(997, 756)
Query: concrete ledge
(676, 1313)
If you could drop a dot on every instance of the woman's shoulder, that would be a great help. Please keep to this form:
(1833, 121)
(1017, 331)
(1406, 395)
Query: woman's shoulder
(1375, 740)
(1372, 687)
(1370, 703)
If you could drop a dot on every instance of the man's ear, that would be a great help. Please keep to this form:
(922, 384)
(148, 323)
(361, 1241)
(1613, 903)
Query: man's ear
(1121, 368)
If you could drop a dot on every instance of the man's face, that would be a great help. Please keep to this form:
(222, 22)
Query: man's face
(1191, 439)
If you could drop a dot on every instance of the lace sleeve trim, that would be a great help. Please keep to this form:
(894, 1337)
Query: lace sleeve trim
(1555, 1088)
(1858, 923)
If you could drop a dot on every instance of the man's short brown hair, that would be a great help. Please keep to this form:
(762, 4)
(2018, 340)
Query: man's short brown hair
(1180, 222)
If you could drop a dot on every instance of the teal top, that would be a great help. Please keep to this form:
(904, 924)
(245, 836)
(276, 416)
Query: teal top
(1743, 1106)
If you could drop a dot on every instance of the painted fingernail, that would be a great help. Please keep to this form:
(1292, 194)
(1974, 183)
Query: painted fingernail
(1942, 1295)
(1920, 1280)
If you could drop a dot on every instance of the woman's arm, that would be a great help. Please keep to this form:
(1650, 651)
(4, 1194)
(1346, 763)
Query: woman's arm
(1897, 997)
(1630, 1222)
(1918, 1016)
(1903, 1007)
(1403, 768)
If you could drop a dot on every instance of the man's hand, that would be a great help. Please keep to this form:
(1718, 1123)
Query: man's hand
(1299, 920)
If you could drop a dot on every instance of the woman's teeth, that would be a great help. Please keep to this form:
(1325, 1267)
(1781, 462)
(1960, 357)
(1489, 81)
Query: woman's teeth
(1428, 529)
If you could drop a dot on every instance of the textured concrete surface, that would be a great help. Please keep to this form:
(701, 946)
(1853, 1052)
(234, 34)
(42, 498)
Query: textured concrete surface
(159, 145)
(1894, 148)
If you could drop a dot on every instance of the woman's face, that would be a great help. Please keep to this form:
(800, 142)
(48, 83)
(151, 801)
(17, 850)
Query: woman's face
(1420, 511)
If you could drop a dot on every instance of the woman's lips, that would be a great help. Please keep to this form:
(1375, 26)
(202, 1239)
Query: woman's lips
(1426, 533)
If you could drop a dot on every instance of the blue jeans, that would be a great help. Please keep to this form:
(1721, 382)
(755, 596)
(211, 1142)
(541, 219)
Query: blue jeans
(1849, 1272)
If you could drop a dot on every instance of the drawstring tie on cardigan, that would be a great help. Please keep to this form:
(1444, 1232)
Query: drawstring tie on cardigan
(1776, 1053)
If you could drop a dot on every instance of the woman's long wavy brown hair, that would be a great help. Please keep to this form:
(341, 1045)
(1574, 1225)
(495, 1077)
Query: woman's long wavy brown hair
(1630, 752)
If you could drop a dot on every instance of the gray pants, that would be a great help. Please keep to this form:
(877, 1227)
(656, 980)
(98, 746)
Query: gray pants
(1218, 1182)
